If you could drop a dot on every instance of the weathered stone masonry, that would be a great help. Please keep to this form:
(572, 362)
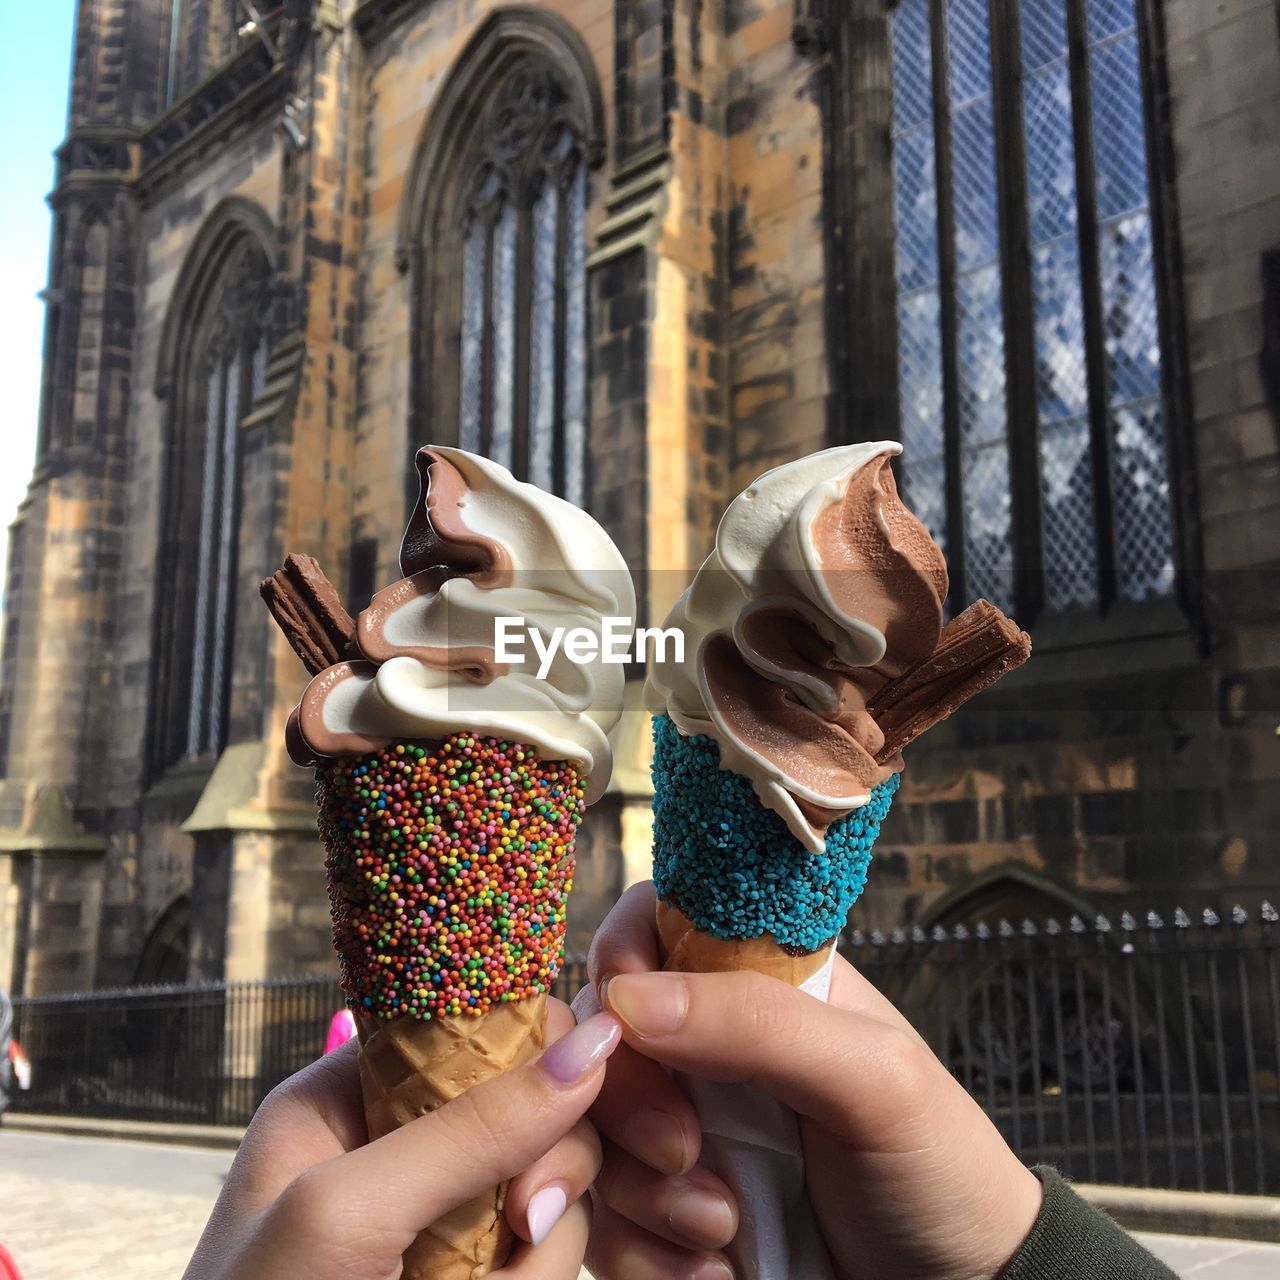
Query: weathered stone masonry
(740, 231)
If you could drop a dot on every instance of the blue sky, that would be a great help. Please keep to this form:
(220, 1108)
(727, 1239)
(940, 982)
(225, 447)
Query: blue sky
(35, 66)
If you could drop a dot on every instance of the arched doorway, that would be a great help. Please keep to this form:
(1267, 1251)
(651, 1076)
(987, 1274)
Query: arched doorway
(166, 955)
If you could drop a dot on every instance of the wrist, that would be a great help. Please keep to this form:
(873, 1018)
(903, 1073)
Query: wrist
(1023, 1202)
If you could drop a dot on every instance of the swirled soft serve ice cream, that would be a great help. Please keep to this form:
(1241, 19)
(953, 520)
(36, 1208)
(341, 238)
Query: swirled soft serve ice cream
(481, 547)
(821, 588)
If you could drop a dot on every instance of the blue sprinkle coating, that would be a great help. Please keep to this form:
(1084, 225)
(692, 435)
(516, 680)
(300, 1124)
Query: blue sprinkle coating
(732, 865)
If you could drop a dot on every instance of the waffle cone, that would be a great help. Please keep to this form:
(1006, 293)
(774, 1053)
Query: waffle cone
(686, 950)
(410, 1066)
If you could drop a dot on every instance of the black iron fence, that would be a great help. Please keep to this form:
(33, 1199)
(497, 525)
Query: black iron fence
(206, 1053)
(1141, 1052)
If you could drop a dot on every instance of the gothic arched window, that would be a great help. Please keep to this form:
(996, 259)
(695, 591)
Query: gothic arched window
(498, 206)
(224, 364)
(522, 367)
(1030, 343)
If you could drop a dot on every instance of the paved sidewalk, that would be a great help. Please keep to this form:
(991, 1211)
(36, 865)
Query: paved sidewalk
(1222, 1259)
(72, 1207)
(116, 1210)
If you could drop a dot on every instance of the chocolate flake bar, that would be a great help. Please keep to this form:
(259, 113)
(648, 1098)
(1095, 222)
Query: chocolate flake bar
(974, 650)
(307, 609)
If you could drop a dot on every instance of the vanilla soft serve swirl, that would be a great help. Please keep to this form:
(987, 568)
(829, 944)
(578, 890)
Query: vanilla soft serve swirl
(821, 588)
(481, 546)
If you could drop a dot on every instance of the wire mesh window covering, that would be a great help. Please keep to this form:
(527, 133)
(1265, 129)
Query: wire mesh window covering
(1030, 131)
(227, 370)
(522, 356)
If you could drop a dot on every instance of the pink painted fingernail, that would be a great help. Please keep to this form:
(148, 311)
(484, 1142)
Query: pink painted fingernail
(546, 1208)
(577, 1055)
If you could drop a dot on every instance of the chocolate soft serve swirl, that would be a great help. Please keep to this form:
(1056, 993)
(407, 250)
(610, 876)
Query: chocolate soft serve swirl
(480, 546)
(821, 589)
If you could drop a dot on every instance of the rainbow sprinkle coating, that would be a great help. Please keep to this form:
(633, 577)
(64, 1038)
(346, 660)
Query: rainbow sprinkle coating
(732, 866)
(449, 867)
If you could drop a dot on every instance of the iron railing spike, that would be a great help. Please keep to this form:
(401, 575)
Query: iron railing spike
(1239, 915)
(1005, 929)
(1052, 927)
(1102, 924)
(960, 933)
(858, 938)
(982, 930)
(1154, 921)
(1076, 925)
(1029, 929)
(1127, 922)
(1210, 917)
(877, 938)
(918, 935)
(1268, 912)
(898, 936)
(1181, 920)
(939, 933)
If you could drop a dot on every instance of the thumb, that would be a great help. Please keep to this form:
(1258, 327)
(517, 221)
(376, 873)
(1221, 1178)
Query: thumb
(863, 1079)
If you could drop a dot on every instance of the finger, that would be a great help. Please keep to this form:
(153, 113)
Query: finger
(851, 991)
(627, 941)
(646, 1113)
(312, 1117)
(411, 1177)
(538, 1197)
(818, 1059)
(695, 1210)
(559, 1256)
(586, 1004)
(620, 1250)
(663, 1129)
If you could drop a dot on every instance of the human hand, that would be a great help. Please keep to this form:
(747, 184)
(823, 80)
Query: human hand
(906, 1175)
(309, 1197)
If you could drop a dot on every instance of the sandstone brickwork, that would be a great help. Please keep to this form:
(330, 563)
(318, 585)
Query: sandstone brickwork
(740, 297)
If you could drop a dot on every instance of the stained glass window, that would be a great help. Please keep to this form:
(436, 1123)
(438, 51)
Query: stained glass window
(522, 331)
(992, 131)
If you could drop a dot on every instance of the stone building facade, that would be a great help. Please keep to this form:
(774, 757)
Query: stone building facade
(1038, 241)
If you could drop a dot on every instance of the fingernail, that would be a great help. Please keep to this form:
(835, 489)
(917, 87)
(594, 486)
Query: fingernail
(651, 1004)
(577, 1055)
(546, 1208)
(658, 1139)
(709, 1269)
(703, 1218)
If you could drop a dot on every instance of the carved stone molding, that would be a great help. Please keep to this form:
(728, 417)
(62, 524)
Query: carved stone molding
(96, 151)
(634, 208)
(226, 101)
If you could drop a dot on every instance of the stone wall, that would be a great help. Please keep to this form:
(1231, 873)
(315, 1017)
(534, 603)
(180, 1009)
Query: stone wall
(1137, 765)
(1224, 72)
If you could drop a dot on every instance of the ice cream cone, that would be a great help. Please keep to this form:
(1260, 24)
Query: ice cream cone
(450, 786)
(687, 950)
(448, 871)
(814, 652)
(408, 1068)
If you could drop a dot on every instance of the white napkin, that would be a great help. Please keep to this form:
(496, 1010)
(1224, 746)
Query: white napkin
(752, 1141)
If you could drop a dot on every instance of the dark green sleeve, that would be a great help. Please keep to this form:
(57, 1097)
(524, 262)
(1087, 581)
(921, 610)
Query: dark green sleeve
(1072, 1240)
